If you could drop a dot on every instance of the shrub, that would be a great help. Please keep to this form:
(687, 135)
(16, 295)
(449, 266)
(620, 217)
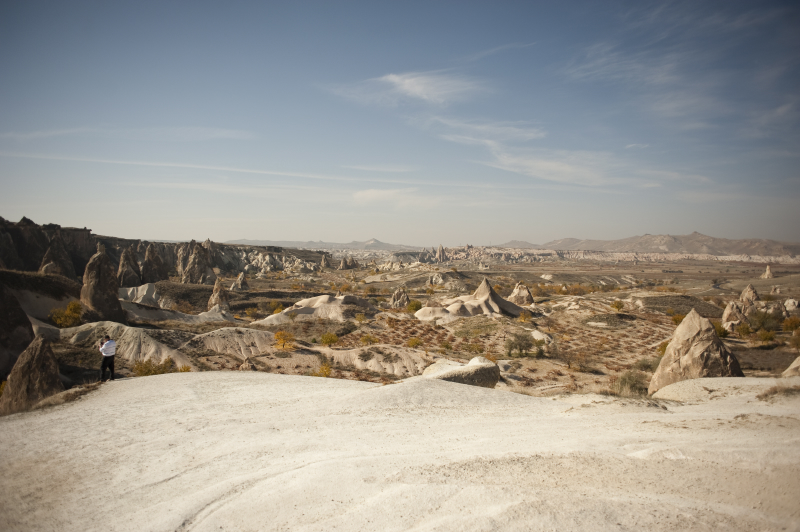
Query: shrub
(524, 316)
(283, 338)
(278, 309)
(662, 348)
(762, 319)
(521, 342)
(368, 339)
(413, 306)
(447, 346)
(323, 371)
(184, 369)
(328, 339)
(345, 288)
(670, 311)
(678, 318)
(778, 390)
(430, 291)
(252, 312)
(414, 342)
(743, 330)
(183, 306)
(630, 383)
(766, 336)
(361, 318)
(617, 305)
(67, 317)
(722, 332)
(791, 324)
(145, 368)
(647, 364)
(371, 290)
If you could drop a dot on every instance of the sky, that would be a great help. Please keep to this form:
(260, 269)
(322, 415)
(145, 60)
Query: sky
(415, 123)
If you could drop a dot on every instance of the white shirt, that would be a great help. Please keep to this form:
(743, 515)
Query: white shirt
(109, 348)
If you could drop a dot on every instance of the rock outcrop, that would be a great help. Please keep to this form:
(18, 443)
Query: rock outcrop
(240, 284)
(128, 274)
(767, 274)
(694, 352)
(399, 299)
(100, 291)
(34, 377)
(790, 305)
(153, 268)
(348, 263)
(521, 295)
(325, 262)
(441, 255)
(749, 295)
(247, 365)
(733, 313)
(198, 267)
(219, 297)
(56, 260)
(478, 372)
(16, 332)
(793, 370)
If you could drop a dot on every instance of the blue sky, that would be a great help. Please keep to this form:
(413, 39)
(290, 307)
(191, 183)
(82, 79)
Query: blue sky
(410, 122)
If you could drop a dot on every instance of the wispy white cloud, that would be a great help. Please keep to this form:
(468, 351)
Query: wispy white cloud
(629, 146)
(434, 88)
(474, 131)
(497, 49)
(159, 134)
(388, 168)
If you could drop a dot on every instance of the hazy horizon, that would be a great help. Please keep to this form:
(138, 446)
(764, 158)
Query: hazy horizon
(414, 123)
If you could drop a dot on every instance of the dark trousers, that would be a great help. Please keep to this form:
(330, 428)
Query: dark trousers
(108, 362)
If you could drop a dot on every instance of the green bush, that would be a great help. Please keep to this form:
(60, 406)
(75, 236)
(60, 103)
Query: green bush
(148, 367)
(743, 330)
(414, 342)
(647, 364)
(521, 342)
(413, 306)
(629, 384)
(328, 339)
(67, 317)
(791, 324)
(368, 339)
(722, 332)
(768, 321)
(766, 336)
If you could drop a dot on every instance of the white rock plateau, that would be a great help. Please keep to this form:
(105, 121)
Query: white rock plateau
(246, 450)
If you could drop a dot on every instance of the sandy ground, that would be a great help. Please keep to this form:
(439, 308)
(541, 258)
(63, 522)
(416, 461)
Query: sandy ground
(255, 451)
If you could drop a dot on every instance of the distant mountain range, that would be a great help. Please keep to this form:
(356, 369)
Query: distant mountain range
(693, 243)
(367, 245)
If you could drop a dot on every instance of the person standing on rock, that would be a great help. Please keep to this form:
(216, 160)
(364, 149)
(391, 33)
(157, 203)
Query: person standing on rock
(108, 348)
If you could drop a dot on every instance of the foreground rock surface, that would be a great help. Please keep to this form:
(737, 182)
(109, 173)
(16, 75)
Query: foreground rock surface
(34, 377)
(479, 371)
(255, 451)
(694, 352)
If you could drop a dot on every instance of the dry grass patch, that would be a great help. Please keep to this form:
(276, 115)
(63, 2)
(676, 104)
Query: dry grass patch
(778, 391)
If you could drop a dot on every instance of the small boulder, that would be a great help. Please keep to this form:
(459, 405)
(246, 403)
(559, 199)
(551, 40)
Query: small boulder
(479, 371)
(240, 284)
(749, 295)
(153, 268)
(100, 291)
(399, 299)
(521, 295)
(16, 332)
(767, 274)
(128, 274)
(247, 365)
(56, 260)
(219, 297)
(694, 352)
(34, 377)
(790, 305)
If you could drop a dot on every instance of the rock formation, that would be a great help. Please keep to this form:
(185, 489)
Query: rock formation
(100, 291)
(198, 267)
(153, 268)
(219, 297)
(247, 365)
(478, 372)
(733, 313)
(34, 377)
(325, 262)
(31, 243)
(128, 274)
(240, 284)
(348, 263)
(793, 370)
(485, 301)
(767, 274)
(399, 299)
(56, 260)
(749, 295)
(694, 352)
(15, 331)
(521, 295)
(441, 255)
(790, 305)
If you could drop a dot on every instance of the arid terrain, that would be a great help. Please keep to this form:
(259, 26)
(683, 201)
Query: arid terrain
(276, 388)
